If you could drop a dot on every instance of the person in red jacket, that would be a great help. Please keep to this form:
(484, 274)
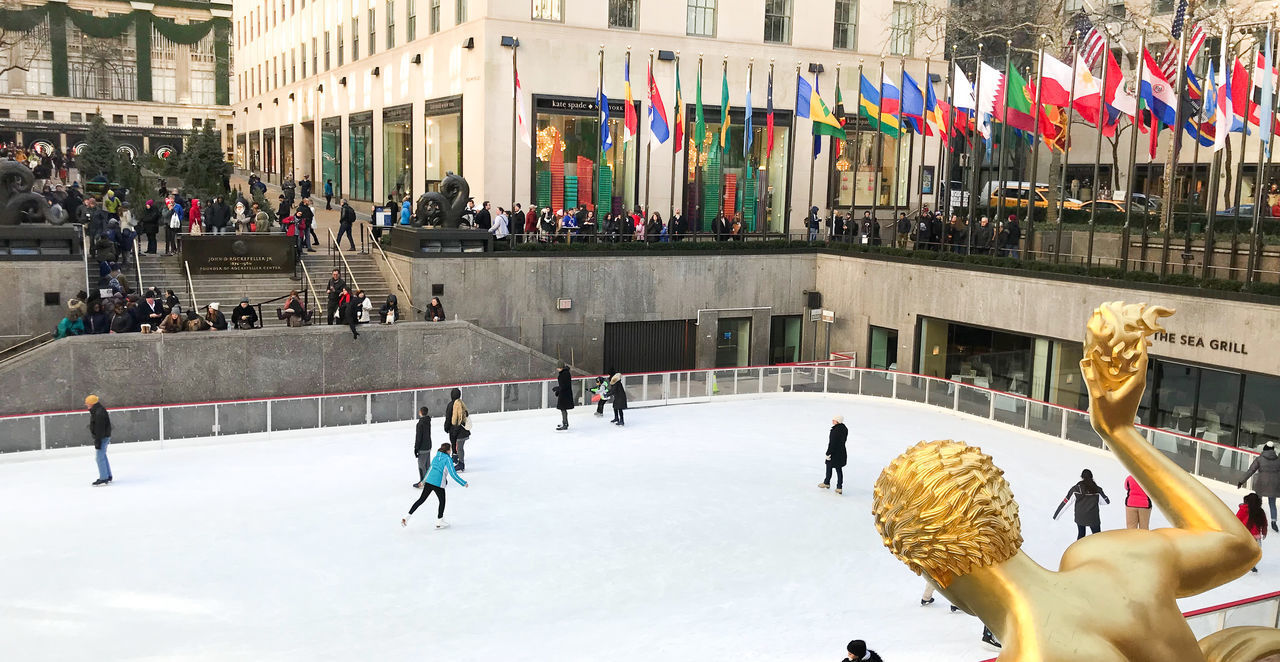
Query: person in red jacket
(1137, 505)
(1253, 517)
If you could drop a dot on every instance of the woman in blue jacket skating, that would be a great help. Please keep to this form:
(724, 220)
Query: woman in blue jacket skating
(434, 483)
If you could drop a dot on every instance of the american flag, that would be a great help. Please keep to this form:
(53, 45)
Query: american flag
(1169, 62)
(1091, 42)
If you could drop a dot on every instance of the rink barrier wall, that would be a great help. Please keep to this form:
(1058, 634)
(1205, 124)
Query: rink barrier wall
(165, 423)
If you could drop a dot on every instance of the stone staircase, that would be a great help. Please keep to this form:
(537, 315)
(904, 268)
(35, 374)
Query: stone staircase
(165, 272)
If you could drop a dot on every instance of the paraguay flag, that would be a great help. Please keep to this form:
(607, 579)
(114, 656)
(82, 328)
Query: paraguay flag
(658, 127)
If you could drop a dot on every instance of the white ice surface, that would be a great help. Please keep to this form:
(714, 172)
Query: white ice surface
(695, 533)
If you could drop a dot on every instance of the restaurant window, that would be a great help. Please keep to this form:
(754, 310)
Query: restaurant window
(622, 14)
(976, 355)
(900, 29)
(701, 18)
(846, 37)
(784, 339)
(777, 21)
(548, 10)
(752, 184)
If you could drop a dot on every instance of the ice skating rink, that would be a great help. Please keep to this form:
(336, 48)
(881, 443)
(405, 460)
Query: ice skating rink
(695, 533)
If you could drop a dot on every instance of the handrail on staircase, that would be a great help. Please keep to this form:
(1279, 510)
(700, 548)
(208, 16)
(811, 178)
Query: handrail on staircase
(8, 353)
(84, 252)
(306, 276)
(191, 288)
(399, 283)
(333, 243)
(137, 265)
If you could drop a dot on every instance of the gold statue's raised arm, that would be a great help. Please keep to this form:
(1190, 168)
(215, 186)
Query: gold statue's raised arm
(1208, 544)
(945, 510)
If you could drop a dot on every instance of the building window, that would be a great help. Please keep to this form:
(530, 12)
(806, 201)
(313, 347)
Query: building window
(172, 121)
(326, 50)
(846, 25)
(622, 14)
(33, 114)
(460, 12)
(129, 119)
(1163, 6)
(1117, 9)
(46, 115)
(164, 85)
(293, 65)
(204, 88)
(340, 49)
(900, 41)
(155, 119)
(355, 38)
(4, 113)
(434, 18)
(315, 56)
(548, 10)
(117, 119)
(777, 21)
(411, 20)
(391, 24)
(196, 123)
(701, 18)
(373, 34)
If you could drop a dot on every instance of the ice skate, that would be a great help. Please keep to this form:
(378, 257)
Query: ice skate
(926, 603)
(839, 490)
(404, 521)
(441, 524)
(824, 486)
(989, 638)
(1273, 527)
(561, 427)
(600, 414)
(417, 486)
(100, 481)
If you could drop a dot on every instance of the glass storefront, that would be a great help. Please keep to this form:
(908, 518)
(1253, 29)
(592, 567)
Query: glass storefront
(863, 179)
(360, 156)
(443, 137)
(255, 152)
(269, 150)
(732, 182)
(331, 154)
(1216, 405)
(397, 151)
(884, 348)
(733, 342)
(567, 168)
(286, 151)
(241, 148)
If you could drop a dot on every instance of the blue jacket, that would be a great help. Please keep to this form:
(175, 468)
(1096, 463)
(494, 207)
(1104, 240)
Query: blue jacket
(439, 464)
(406, 213)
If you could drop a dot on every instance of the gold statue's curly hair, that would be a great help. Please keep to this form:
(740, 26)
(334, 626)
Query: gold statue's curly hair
(945, 509)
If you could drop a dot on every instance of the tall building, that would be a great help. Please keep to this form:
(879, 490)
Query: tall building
(153, 70)
(384, 97)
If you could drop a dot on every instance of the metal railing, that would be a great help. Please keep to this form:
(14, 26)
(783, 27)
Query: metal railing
(84, 252)
(191, 288)
(137, 266)
(337, 251)
(391, 267)
(1206, 459)
(29, 345)
(310, 289)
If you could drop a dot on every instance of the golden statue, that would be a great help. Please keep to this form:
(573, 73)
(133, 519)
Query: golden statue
(945, 510)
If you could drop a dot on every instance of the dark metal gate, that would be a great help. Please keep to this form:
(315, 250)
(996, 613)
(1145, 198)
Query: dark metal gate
(649, 346)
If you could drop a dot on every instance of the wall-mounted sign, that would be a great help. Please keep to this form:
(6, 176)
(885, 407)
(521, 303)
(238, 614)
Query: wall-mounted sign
(239, 254)
(1189, 340)
(445, 106)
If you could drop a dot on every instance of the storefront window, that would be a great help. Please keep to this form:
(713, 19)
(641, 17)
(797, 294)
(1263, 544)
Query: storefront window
(566, 168)
(784, 339)
(269, 149)
(397, 150)
(731, 182)
(286, 151)
(1259, 417)
(241, 143)
(978, 356)
(255, 151)
(443, 136)
(360, 156)
(856, 168)
(733, 342)
(331, 154)
(884, 348)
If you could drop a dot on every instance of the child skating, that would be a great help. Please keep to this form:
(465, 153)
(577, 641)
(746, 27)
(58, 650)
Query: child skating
(434, 484)
(1253, 518)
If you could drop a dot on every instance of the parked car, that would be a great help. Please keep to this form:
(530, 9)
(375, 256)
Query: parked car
(1015, 195)
(1105, 205)
(1246, 211)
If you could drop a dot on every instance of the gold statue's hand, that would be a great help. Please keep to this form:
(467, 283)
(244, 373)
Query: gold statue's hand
(1115, 360)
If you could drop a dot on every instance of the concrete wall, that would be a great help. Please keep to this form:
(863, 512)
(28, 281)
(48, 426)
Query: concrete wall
(26, 314)
(515, 296)
(895, 294)
(136, 369)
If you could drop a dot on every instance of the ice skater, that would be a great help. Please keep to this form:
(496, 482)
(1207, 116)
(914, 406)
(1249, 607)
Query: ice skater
(422, 444)
(434, 483)
(618, 395)
(1253, 518)
(457, 423)
(100, 428)
(564, 394)
(1137, 505)
(837, 456)
(858, 651)
(601, 394)
(1267, 484)
(1086, 493)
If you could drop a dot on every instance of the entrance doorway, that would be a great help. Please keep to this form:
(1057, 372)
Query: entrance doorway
(733, 342)
(784, 339)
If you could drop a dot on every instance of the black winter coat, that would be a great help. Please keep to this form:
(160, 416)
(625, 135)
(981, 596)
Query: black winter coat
(422, 439)
(618, 395)
(219, 215)
(564, 389)
(150, 220)
(99, 424)
(835, 445)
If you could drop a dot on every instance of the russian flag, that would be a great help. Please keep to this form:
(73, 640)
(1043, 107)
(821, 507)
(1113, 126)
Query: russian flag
(1157, 94)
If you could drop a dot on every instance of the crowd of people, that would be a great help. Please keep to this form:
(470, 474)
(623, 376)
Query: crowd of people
(117, 309)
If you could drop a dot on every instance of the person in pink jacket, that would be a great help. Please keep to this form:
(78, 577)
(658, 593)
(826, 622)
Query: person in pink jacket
(1137, 505)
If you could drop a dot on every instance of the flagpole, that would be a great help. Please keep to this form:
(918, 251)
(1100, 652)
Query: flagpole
(897, 148)
(698, 194)
(674, 147)
(857, 140)
(813, 158)
(1066, 158)
(515, 101)
(1239, 191)
(1171, 161)
(943, 205)
(763, 184)
(925, 121)
(1211, 208)
(875, 186)
(1133, 161)
(724, 119)
(1004, 140)
(1195, 170)
(1259, 192)
(595, 179)
(1035, 151)
(975, 164)
(746, 121)
(648, 161)
(1097, 153)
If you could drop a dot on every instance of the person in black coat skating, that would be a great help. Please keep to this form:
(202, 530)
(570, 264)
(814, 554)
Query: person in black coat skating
(619, 397)
(837, 457)
(858, 651)
(422, 445)
(564, 395)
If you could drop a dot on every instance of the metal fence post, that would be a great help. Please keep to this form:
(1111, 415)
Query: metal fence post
(955, 398)
(735, 381)
(44, 441)
(368, 408)
(319, 412)
(1197, 465)
(544, 394)
(644, 385)
(269, 407)
(1062, 434)
(160, 410)
(1026, 414)
(895, 385)
(217, 427)
(991, 405)
(760, 376)
(826, 372)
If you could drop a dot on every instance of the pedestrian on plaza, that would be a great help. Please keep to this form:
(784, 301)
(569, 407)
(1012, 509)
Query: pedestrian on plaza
(457, 424)
(1267, 484)
(499, 229)
(328, 194)
(564, 394)
(304, 186)
(1086, 493)
(389, 312)
(422, 445)
(304, 218)
(346, 220)
(837, 456)
(100, 429)
(150, 225)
